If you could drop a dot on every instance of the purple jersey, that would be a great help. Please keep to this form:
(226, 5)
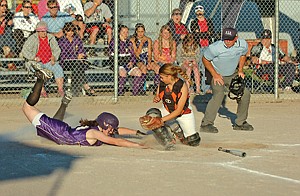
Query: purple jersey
(144, 53)
(61, 133)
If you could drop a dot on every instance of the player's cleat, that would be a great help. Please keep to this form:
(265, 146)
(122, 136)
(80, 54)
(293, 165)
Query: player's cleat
(41, 73)
(67, 98)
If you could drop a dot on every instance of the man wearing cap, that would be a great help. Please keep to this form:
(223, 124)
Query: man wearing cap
(178, 29)
(263, 56)
(221, 59)
(56, 19)
(203, 30)
(43, 48)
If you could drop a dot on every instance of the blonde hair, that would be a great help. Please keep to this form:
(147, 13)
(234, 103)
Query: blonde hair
(170, 69)
(171, 40)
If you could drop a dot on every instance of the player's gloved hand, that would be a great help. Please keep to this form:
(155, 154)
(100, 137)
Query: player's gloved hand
(139, 133)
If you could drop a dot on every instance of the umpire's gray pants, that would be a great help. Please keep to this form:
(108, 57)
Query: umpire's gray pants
(216, 101)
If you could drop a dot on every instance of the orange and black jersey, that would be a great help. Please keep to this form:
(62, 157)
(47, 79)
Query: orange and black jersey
(170, 99)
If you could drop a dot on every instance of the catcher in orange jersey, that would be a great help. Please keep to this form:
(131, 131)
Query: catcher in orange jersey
(176, 115)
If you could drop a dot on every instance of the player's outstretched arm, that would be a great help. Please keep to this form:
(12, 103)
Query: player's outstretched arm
(97, 135)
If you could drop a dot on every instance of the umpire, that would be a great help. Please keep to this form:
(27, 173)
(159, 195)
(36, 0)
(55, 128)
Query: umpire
(221, 60)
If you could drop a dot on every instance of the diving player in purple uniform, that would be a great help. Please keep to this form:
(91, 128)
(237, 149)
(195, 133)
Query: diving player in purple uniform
(89, 133)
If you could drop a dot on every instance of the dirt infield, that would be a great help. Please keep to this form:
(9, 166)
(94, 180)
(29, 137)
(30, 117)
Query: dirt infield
(30, 165)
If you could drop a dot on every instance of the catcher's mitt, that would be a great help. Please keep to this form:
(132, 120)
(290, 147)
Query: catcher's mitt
(151, 123)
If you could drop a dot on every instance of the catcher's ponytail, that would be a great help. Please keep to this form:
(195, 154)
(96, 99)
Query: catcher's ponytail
(173, 70)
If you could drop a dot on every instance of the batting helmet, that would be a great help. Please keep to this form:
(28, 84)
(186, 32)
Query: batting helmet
(236, 88)
(105, 119)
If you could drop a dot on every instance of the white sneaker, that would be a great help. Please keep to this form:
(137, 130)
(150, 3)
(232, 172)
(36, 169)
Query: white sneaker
(295, 83)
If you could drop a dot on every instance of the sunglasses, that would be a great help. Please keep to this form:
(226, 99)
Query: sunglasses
(199, 14)
(4, 5)
(28, 7)
(177, 14)
(53, 7)
(80, 20)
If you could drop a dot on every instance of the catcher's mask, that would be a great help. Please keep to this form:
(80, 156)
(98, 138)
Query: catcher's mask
(236, 88)
(106, 120)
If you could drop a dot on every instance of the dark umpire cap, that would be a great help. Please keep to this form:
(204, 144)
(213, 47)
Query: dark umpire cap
(266, 34)
(229, 33)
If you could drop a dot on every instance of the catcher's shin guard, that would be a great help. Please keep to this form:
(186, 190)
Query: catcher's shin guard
(162, 134)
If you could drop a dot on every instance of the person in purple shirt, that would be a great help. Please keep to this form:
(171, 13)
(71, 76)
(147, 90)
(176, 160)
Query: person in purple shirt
(72, 59)
(127, 63)
(90, 133)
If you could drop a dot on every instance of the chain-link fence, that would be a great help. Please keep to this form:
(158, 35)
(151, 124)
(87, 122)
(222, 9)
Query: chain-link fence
(81, 54)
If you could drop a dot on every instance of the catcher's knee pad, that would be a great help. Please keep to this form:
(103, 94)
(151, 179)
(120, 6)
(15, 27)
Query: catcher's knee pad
(193, 140)
(154, 112)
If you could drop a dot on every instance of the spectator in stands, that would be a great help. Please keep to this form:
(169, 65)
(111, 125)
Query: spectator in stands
(98, 19)
(164, 48)
(178, 29)
(263, 56)
(57, 19)
(71, 58)
(42, 8)
(43, 48)
(6, 23)
(142, 46)
(34, 7)
(24, 24)
(126, 62)
(80, 31)
(188, 56)
(203, 30)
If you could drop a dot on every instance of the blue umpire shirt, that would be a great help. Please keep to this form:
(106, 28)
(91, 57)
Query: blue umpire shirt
(225, 60)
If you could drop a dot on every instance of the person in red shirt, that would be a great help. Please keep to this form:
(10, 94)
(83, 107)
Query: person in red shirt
(203, 30)
(34, 8)
(178, 29)
(42, 48)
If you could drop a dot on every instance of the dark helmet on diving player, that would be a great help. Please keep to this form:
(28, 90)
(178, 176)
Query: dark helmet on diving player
(106, 119)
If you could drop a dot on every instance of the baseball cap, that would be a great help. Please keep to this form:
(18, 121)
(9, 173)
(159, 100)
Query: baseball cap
(199, 8)
(229, 33)
(266, 34)
(41, 26)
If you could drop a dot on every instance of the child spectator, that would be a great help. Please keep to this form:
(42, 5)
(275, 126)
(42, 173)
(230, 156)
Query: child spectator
(188, 55)
(164, 49)
(127, 62)
(142, 46)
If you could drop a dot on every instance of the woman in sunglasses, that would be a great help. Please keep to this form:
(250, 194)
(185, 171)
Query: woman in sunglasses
(178, 29)
(100, 131)
(24, 24)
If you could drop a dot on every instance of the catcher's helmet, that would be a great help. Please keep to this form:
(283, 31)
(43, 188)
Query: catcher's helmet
(105, 119)
(236, 88)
